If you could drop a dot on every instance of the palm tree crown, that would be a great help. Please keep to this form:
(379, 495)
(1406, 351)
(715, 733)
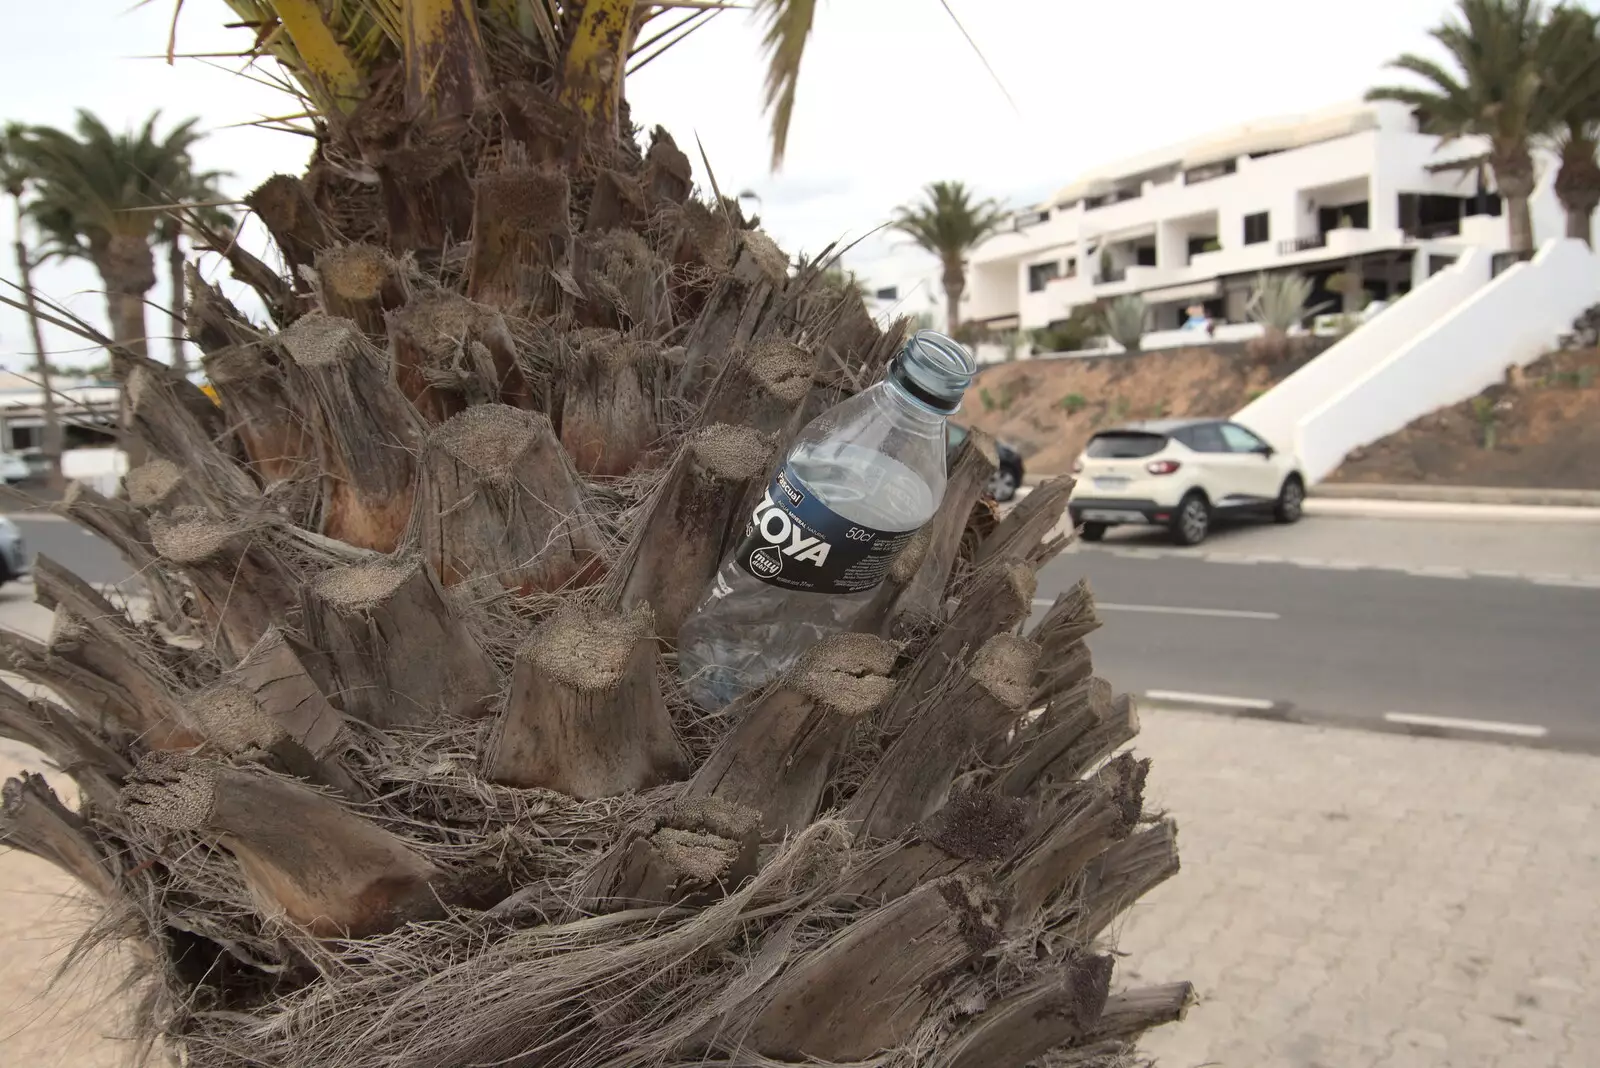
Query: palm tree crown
(1494, 92)
(1571, 111)
(949, 222)
(97, 194)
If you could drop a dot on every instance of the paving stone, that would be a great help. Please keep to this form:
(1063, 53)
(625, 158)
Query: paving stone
(1443, 918)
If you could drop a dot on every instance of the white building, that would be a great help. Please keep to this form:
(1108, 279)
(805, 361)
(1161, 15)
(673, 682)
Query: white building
(1354, 187)
(88, 412)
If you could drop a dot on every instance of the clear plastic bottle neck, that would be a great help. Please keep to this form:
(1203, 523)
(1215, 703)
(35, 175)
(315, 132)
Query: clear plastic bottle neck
(905, 406)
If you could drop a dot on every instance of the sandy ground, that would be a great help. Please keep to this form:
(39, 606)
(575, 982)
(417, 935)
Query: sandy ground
(49, 1019)
(46, 1021)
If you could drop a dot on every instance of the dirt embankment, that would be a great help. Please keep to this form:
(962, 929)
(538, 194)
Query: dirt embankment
(1047, 409)
(1539, 429)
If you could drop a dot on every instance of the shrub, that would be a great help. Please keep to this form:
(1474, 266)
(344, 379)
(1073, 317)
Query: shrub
(1279, 301)
(1483, 410)
(1074, 332)
(1073, 403)
(1123, 320)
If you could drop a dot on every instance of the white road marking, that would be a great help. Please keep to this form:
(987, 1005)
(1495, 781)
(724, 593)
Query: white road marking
(1437, 571)
(1173, 610)
(1582, 582)
(1217, 700)
(1486, 726)
(1169, 610)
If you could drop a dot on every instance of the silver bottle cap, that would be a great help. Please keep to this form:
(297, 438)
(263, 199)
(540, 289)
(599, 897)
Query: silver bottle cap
(934, 369)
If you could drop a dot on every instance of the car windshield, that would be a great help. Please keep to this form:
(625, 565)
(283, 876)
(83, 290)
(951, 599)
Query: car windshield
(1125, 445)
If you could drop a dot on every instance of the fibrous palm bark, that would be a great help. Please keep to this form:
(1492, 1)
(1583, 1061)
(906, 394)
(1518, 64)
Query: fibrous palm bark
(396, 770)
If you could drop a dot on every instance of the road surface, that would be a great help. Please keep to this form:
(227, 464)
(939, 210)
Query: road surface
(1513, 657)
(1376, 622)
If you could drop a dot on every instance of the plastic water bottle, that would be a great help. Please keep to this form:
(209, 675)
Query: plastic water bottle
(858, 483)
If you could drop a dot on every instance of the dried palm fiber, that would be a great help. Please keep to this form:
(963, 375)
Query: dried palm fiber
(425, 790)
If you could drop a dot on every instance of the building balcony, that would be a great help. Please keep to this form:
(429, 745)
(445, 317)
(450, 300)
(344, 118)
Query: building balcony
(1301, 244)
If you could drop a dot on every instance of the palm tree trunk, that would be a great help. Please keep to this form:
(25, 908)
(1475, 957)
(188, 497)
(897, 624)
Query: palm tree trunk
(405, 411)
(955, 282)
(1513, 173)
(1578, 224)
(1578, 186)
(51, 444)
(128, 270)
(128, 328)
(1520, 221)
(180, 357)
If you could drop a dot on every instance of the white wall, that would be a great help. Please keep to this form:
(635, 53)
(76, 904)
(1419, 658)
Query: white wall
(1512, 320)
(1278, 414)
(99, 469)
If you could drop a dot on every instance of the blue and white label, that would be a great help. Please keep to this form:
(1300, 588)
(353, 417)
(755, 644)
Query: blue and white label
(796, 542)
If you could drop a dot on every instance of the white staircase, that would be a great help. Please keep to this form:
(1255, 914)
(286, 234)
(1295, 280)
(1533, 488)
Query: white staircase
(1446, 341)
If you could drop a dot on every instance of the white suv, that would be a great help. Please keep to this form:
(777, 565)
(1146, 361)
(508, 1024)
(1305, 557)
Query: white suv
(1182, 474)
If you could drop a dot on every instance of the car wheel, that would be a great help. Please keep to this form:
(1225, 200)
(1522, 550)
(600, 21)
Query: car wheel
(1192, 521)
(1003, 486)
(1093, 531)
(1291, 501)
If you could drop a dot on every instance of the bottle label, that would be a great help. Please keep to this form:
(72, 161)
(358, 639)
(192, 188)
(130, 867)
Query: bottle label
(796, 542)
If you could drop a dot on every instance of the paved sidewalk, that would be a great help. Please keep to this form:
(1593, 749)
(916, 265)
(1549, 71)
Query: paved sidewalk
(1353, 900)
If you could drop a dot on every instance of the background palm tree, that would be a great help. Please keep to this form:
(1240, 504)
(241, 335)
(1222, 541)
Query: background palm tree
(1493, 92)
(99, 194)
(15, 176)
(949, 222)
(1570, 102)
(204, 211)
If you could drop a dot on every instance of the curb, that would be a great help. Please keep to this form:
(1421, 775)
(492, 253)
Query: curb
(1575, 498)
(1348, 507)
(1394, 508)
(1431, 727)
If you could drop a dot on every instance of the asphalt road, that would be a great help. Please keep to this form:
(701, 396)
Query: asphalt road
(73, 547)
(1382, 647)
(1345, 643)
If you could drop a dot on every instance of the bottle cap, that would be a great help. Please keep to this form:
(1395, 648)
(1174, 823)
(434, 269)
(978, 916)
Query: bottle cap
(934, 369)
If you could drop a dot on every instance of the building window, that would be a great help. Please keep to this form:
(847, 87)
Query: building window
(1116, 196)
(1040, 273)
(1256, 228)
(1343, 217)
(887, 293)
(1145, 256)
(1202, 244)
(1425, 215)
(1072, 268)
(1209, 171)
(1024, 219)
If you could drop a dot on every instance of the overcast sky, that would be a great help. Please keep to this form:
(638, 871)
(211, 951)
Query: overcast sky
(891, 97)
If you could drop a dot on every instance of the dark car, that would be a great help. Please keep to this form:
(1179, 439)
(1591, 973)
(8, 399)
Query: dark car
(1007, 477)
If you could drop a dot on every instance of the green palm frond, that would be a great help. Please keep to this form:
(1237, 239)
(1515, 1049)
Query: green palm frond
(90, 185)
(1570, 52)
(788, 29)
(949, 221)
(1491, 84)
